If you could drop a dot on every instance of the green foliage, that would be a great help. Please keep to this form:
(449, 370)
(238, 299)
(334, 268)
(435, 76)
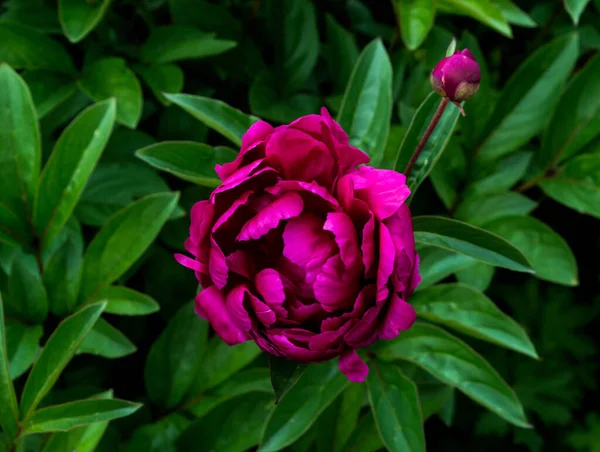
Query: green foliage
(113, 116)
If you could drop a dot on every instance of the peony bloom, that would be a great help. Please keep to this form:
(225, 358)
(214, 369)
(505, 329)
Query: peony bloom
(457, 76)
(300, 251)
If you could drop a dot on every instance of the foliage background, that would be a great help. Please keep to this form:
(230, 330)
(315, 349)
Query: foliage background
(279, 60)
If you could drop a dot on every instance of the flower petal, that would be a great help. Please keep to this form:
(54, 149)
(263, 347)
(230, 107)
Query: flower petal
(387, 256)
(217, 265)
(210, 304)
(399, 317)
(335, 287)
(288, 206)
(351, 365)
(340, 224)
(270, 286)
(236, 308)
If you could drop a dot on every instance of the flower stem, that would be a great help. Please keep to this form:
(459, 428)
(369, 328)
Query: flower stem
(434, 121)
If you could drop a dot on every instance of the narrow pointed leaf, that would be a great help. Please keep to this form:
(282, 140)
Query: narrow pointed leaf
(415, 18)
(79, 18)
(125, 301)
(106, 341)
(285, 374)
(22, 343)
(9, 409)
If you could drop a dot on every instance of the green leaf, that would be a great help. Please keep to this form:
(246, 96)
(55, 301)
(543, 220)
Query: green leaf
(25, 294)
(479, 276)
(70, 165)
(293, 27)
(468, 311)
(439, 263)
(577, 185)
(514, 14)
(125, 301)
(469, 240)
(575, 121)
(575, 9)
(177, 42)
(190, 161)
(392, 147)
(342, 53)
(35, 13)
(220, 362)
(122, 241)
(448, 175)
(21, 154)
(365, 438)
(62, 270)
(483, 10)
(158, 437)
(27, 48)
(61, 418)
(106, 341)
(22, 345)
(395, 404)
(175, 357)
(549, 254)
(9, 409)
(433, 398)
(415, 18)
(113, 186)
(161, 78)
(244, 415)
(48, 90)
(217, 115)
(499, 175)
(350, 406)
(295, 414)
(56, 354)
(455, 363)
(435, 145)
(479, 209)
(366, 110)
(110, 77)
(285, 374)
(78, 18)
(530, 93)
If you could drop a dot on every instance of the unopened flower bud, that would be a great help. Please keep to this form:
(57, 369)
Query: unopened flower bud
(457, 76)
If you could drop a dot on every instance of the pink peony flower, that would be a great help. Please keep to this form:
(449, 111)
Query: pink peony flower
(302, 252)
(457, 76)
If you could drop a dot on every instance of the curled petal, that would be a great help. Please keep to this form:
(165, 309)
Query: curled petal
(365, 331)
(335, 286)
(217, 265)
(236, 308)
(190, 263)
(210, 304)
(270, 286)
(399, 317)
(340, 224)
(288, 206)
(353, 366)
(387, 256)
(304, 240)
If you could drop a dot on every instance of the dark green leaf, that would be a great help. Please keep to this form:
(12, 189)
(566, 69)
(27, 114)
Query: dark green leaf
(479, 276)
(161, 78)
(69, 167)
(176, 42)
(433, 397)
(483, 10)
(576, 119)
(48, 90)
(22, 344)
(110, 77)
(365, 438)
(124, 301)
(79, 18)
(206, 16)
(455, 363)
(435, 145)
(293, 26)
(366, 110)
(21, 154)
(575, 9)
(25, 294)
(342, 53)
(112, 187)
(27, 48)
(64, 112)
(56, 354)
(158, 437)
(217, 115)
(447, 177)
(295, 414)
(244, 415)
(350, 406)
(577, 185)
(549, 254)
(9, 410)
(106, 341)
(35, 13)
(479, 209)
(439, 263)
(220, 362)
(469, 240)
(284, 375)
(529, 93)
(61, 418)
(499, 175)
(470, 312)
(415, 18)
(190, 161)
(122, 241)
(514, 14)
(175, 357)
(395, 404)
(392, 147)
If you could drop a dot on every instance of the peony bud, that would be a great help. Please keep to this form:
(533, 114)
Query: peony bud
(457, 76)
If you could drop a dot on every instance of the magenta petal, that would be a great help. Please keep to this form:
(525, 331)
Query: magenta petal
(387, 255)
(263, 312)
(340, 224)
(288, 206)
(368, 247)
(190, 263)
(236, 309)
(241, 263)
(304, 240)
(384, 191)
(270, 286)
(201, 217)
(210, 304)
(336, 130)
(217, 265)
(242, 200)
(364, 332)
(399, 317)
(353, 366)
(310, 124)
(335, 287)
